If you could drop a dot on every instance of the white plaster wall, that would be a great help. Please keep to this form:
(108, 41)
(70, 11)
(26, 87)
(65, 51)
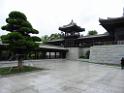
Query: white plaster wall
(73, 53)
(107, 54)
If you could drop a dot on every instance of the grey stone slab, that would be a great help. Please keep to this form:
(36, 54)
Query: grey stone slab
(65, 76)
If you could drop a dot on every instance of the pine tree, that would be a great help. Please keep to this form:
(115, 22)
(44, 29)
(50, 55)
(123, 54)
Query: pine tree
(18, 39)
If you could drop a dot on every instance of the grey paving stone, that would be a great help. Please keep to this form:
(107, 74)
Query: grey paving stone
(65, 76)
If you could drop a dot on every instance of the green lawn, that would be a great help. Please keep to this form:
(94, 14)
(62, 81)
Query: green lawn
(15, 70)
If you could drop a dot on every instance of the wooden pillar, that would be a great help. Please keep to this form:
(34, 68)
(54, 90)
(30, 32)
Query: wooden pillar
(59, 54)
(0, 54)
(35, 55)
(43, 54)
(49, 55)
(29, 55)
(55, 54)
(62, 55)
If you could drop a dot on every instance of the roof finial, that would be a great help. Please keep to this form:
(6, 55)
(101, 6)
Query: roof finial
(72, 21)
(123, 11)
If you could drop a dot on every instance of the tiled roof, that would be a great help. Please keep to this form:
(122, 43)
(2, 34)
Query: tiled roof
(93, 36)
(52, 47)
(71, 27)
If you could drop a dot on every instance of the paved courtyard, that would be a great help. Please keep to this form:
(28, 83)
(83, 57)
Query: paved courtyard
(65, 76)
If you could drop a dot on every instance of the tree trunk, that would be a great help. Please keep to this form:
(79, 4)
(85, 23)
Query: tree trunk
(20, 63)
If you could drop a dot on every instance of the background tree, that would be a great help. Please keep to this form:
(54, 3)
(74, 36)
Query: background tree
(55, 36)
(19, 40)
(47, 38)
(44, 39)
(92, 32)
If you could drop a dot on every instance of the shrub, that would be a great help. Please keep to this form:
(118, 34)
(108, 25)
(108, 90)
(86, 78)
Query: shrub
(86, 56)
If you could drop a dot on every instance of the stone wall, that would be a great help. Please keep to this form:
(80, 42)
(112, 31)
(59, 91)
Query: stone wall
(107, 54)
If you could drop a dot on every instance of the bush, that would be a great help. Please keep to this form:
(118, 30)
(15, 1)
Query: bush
(86, 56)
(82, 57)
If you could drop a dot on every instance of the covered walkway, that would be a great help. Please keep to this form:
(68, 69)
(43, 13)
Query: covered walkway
(43, 52)
(50, 52)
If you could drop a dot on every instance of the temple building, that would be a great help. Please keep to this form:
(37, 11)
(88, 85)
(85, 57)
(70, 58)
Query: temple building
(72, 38)
(104, 48)
(115, 27)
(110, 43)
(70, 33)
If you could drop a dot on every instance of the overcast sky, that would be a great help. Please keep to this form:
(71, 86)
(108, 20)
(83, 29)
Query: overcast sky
(48, 15)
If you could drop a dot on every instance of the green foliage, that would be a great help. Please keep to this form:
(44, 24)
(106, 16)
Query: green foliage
(12, 37)
(92, 32)
(47, 38)
(14, 70)
(55, 36)
(86, 56)
(17, 14)
(34, 31)
(17, 22)
(34, 38)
